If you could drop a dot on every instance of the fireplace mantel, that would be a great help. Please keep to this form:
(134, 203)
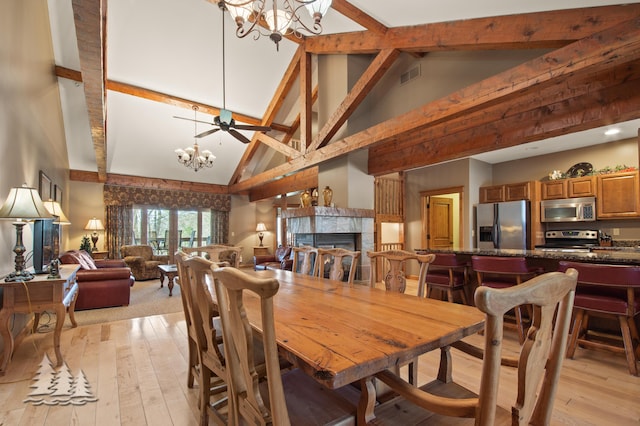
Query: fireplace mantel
(327, 211)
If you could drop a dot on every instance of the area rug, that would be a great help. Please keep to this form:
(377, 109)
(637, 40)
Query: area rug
(147, 298)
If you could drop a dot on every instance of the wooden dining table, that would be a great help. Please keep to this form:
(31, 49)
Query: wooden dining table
(340, 334)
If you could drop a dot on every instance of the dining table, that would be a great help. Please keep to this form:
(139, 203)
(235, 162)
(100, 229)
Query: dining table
(340, 334)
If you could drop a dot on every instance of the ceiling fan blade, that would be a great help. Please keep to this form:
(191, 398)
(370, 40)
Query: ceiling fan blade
(242, 138)
(207, 133)
(249, 127)
(191, 119)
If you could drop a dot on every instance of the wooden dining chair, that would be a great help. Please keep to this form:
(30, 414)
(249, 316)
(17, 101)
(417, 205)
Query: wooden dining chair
(337, 258)
(538, 366)
(218, 253)
(304, 259)
(504, 272)
(393, 264)
(606, 291)
(290, 398)
(206, 361)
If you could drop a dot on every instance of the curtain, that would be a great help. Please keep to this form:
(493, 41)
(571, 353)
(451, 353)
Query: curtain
(219, 227)
(118, 229)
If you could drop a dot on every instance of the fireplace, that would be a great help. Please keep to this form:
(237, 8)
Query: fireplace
(331, 227)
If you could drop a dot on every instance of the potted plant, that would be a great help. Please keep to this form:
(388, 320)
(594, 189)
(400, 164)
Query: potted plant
(86, 244)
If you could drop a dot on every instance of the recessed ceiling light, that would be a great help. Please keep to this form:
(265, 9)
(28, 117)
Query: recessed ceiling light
(611, 132)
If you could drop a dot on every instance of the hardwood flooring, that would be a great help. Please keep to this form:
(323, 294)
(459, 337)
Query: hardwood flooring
(137, 370)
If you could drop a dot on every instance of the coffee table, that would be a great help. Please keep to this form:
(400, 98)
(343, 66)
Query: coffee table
(169, 271)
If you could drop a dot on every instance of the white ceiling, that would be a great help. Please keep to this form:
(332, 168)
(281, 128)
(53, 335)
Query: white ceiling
(174, 47)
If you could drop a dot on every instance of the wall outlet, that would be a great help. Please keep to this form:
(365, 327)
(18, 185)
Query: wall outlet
(616, 231)
(233, 234)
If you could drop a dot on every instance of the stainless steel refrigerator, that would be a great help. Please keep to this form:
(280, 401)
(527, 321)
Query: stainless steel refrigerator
(503, 225)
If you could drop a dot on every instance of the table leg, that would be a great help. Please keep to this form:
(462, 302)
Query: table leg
(7, 338)
(367, 401)
(170, 284)
(72, 310)
(161, 278)
(60, 313)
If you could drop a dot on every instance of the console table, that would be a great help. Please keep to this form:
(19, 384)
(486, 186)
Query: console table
(36, 296)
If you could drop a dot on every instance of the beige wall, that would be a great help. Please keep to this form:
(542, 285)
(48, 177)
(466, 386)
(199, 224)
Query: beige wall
(31, 130)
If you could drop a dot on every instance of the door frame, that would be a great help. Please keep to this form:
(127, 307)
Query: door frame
(424, 199)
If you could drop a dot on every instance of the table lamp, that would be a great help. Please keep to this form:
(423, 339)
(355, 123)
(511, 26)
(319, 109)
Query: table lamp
(260, 230)
(23, 203)
(54, 208)
(94, 225)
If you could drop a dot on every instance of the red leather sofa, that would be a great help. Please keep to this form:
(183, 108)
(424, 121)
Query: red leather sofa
(101, 283)
(281, 259)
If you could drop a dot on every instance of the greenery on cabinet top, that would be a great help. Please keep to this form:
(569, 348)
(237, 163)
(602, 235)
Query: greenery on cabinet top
(557, 174)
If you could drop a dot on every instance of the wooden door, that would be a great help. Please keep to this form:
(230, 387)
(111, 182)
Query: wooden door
(440, 223)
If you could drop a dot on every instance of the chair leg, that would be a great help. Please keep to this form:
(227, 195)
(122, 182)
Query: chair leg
(450, 295)
(628, 345)
(575, 333)
(635, 337)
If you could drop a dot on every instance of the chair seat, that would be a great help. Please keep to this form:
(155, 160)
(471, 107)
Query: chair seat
(440, 277)
(607, 304)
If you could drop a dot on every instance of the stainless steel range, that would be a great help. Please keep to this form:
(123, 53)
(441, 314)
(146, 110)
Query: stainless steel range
(569, 241)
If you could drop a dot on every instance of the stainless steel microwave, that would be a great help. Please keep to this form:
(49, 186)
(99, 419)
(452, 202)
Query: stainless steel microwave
(568, 210)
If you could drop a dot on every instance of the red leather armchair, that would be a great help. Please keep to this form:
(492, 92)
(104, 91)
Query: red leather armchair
(281, 259)
(101, 283)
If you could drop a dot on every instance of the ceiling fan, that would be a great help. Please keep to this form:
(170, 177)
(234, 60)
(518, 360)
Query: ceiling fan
(225, 121)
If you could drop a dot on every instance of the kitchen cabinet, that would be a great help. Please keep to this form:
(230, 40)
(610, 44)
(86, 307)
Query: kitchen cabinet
(582, 187)
(508, 192)
(569, 188)
(618, 196)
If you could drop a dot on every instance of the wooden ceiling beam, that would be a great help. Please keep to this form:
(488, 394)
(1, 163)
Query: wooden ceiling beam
(293, 183)
(358, 16)
(376, 70)
(274, 106)
(145, 182)
(582, 113)
(609, 48)
(140, 92)
(549, 30)
(277, 145)
(90, 22)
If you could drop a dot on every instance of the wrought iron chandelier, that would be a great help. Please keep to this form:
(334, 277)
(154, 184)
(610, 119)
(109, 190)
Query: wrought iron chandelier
(281, 17)
(192, 157)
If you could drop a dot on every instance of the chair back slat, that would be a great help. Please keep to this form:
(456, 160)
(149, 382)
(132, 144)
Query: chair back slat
(393, 264)
(305, 257)
(336, 257)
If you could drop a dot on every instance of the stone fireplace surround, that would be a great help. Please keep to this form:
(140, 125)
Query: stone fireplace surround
(322, 224)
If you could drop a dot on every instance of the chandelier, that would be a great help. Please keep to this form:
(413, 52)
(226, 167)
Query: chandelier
(192, 157)
(280, 16)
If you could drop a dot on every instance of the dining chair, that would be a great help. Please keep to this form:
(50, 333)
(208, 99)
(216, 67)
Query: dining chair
(503, 272)
(286, 398)
(336, 259)
(206, 361)
(606, 291)
(538, 363)
(304, 259)
(393, 265)
(449, 274)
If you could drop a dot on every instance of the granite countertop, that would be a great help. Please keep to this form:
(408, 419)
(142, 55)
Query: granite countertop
(617, 256)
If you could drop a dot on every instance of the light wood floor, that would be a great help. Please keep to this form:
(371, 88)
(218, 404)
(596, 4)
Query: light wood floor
(137, 369)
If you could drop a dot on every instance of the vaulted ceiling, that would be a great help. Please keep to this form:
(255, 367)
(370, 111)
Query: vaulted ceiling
(126, 68)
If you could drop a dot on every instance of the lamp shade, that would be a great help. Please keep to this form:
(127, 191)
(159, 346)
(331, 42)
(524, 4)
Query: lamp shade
(54, 208)
(94, 225)
(261, 227)
(24, 203)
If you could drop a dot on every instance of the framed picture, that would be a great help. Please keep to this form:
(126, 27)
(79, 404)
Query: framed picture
(57, 194)
(45, 187)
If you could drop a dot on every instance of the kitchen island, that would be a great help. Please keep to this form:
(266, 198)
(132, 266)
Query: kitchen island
(549, 260)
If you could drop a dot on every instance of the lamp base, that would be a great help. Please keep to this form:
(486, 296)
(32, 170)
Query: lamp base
(94, 239)
(261, 236)
(20, 273)
(18, 276)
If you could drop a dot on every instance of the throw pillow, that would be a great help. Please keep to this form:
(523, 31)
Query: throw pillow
(86, 261)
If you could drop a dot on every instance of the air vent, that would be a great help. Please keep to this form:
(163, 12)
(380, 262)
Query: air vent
(407, 76)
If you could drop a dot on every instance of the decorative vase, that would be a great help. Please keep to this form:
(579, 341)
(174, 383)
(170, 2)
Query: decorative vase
(305, 199)
(327, 194)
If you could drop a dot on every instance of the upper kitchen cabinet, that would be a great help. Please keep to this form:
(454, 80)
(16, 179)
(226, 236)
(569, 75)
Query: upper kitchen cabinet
(618, 195)
(569, 188)
(508, 192)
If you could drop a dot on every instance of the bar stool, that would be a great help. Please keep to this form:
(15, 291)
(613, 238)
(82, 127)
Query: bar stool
(448, 273)
(503, 272)
(607, 291)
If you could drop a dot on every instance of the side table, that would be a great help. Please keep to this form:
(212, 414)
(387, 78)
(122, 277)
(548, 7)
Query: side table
(169, 271)
(99, 254)
(260, 251)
